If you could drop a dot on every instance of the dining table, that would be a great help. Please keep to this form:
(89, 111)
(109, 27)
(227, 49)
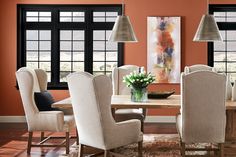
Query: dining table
(124, 102)
(172, 102)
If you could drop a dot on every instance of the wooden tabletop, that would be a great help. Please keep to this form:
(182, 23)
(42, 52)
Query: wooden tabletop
(124, 101)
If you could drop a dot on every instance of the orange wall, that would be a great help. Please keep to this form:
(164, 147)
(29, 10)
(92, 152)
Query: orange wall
(135, 53)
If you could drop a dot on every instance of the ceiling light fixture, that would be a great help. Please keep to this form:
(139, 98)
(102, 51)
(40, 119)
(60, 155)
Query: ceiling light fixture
(122, 30)
(207, 29)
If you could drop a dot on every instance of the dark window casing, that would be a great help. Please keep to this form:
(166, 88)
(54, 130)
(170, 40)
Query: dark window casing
(55, 26)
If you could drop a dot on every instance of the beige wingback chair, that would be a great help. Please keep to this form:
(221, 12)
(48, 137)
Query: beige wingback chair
(30, 81)
(91, 101)
(203, 113)
(120, 88)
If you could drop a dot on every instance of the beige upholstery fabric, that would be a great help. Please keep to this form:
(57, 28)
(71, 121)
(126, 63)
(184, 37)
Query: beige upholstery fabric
(91, 100)
(198, 67)
(42, 79)
(203, 113)
(120, 88)
(30, 81)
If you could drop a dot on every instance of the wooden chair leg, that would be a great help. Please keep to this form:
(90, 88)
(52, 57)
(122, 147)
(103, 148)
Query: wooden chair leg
(106, 153)
(81, 150)
(221, 148)
(182, 149)
(29, 142)
(42, 136)
(67, 142)
(142, 122)
(216, 151)
(140, 149)
(77, 137)
(142, 125)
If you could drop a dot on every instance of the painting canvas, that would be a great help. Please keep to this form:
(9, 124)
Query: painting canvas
(163, 48)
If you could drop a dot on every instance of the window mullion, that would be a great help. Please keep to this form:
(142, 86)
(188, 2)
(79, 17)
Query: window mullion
(88, 42)
(55, 46)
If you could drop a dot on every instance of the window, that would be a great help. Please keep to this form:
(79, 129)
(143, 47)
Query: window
(222, 55)
(62, 39)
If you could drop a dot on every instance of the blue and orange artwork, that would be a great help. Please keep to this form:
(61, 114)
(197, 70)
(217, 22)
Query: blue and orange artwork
(163, 59)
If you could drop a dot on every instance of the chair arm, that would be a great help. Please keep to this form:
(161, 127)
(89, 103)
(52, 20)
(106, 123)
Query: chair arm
(130, 124)
(124, 133)
(48, 121)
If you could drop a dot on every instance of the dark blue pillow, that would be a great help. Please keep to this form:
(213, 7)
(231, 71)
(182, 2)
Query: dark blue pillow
(44, 100)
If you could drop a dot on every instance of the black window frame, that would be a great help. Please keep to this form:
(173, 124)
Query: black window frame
(88, 26)
(222, 26)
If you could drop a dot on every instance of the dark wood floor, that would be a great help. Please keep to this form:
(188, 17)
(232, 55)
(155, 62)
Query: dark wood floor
(13, 139)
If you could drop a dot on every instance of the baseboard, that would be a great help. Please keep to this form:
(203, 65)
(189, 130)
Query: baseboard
(12, 119)
(149, 119)
(160, 119)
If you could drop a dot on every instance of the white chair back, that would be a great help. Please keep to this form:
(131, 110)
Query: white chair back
(91, 101)
(203, 107)
(119, 87)
(198, 67)
(28, 84)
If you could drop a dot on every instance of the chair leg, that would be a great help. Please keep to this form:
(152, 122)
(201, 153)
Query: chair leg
(221, 147)
(182, 149)
(77, 137)
(81, 150)
(67, 142)
(142, 125)
(140, 149)
(42, 136)
(29, 142)
(106, 153)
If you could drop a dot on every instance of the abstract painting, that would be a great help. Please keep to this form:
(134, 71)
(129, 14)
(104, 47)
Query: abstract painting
(163, 48)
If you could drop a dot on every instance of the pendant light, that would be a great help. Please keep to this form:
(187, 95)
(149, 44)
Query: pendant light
(122, 30)
(207, 29)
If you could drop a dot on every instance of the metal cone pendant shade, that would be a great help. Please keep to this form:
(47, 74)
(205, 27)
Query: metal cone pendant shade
(123, 30)
(207, 30)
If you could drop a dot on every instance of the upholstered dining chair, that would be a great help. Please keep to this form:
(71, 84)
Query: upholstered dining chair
(198, 67)
(31, 81)
(120, 88)
(203, 112)
(91, 100)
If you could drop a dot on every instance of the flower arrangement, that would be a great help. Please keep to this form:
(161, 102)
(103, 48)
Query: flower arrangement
(138, 83)
(137, 80)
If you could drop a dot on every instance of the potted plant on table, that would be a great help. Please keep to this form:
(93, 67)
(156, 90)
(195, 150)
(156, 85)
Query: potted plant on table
(138, 82)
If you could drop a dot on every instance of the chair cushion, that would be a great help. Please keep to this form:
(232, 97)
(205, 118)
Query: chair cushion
(127, 114)
(43, 101)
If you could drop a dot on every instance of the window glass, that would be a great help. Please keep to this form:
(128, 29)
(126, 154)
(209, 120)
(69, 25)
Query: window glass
(38, 50)
(104, 16)
(35, 16)
(104, 52)
(71, 52)
(76, 16)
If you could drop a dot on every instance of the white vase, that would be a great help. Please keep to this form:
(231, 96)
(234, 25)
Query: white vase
(228, 88)
(234, 91)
